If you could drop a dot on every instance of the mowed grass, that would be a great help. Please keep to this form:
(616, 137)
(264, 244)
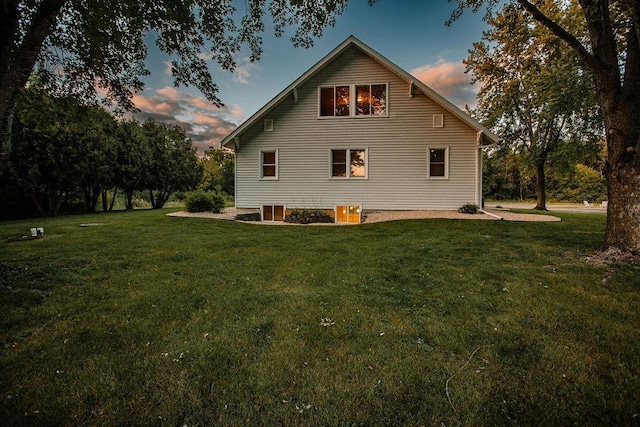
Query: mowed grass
(149, 319)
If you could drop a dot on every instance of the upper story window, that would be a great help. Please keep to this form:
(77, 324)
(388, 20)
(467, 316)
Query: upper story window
(353, 100)
(269, 164)
(371, 100)
(349, 163)
(335, 101)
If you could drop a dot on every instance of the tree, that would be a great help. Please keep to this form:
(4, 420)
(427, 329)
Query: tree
(101, 43)
(611, 52)
(173, 163)
(62, 146)
(134, 156)
(219, 167)
(533, 92)
(91, 131)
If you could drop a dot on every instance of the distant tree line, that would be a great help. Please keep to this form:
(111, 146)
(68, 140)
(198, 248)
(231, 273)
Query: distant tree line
(574, 173)
(66, 154)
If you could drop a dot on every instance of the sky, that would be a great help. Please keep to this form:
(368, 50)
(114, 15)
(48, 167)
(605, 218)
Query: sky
(410, 33)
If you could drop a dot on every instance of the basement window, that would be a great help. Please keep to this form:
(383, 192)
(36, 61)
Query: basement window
(273, 212)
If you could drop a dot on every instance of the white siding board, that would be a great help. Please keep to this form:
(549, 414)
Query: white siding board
(397, 149)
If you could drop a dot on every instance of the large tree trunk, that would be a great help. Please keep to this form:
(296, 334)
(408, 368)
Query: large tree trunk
(623, 179)
(541, 190)
(18, 55)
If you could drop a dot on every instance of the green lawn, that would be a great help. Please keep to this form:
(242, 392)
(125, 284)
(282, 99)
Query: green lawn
(148, 319)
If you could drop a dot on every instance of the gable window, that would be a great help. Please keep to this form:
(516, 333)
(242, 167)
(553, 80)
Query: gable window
(438, 163)
(349, 163)
(269, 164)
(353, 100)
(335, 101)
(371, 100)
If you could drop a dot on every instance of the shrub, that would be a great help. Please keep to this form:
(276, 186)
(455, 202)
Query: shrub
(218, 202)
(199, 202)
(468, 208)
(307, 216)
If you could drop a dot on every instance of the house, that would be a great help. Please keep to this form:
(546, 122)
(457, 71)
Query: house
(353, 133)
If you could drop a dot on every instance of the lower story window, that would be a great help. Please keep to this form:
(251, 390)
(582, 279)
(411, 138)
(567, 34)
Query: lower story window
(349, 163)
(438, 163)
(348, 214)
(273, 213)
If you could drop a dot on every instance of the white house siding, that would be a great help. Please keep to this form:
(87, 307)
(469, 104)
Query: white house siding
(397, 149)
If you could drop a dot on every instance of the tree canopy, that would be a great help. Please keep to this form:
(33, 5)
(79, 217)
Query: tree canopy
(534, 91)
(611, 52)
(97, 47)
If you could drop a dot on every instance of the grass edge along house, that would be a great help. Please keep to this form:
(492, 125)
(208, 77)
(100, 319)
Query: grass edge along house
(356, 132)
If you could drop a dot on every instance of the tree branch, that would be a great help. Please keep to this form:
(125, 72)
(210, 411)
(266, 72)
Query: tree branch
(563, 34)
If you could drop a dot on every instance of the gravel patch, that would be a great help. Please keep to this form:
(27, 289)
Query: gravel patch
(229, 214)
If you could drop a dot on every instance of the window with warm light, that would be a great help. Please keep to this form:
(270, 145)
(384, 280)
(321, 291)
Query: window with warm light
(269, 164)
(348, 214)
(349, 163)
(371, 100)
(438, 163)
(353, 100)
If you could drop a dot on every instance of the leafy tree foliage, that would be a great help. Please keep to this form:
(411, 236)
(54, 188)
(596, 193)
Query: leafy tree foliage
(534, 91)
(219, 171)
(173, 164)
(611, 51)
(66, 152)
(134, 156)
(61, 147)
(82, 43)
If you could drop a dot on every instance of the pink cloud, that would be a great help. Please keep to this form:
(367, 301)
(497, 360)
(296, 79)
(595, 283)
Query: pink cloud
(204, 123)
(449, 80)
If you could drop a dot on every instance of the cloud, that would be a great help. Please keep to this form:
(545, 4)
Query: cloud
(449, 80)
(168, 70)
(203, 122)
(242, 73)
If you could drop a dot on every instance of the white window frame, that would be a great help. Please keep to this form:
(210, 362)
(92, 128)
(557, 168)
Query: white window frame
(273, 205)
(446, 162)
(353, 101)
(268, 125)
(348, 166)
(277, 165)
(348, 205)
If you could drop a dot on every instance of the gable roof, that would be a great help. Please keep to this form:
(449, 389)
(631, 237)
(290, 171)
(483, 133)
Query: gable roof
(485, 136)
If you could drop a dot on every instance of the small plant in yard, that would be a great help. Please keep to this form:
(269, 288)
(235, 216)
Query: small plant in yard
(204, 202)
(308, 216)
(469, 208)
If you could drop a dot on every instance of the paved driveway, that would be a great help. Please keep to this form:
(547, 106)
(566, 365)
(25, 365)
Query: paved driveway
(558, 207)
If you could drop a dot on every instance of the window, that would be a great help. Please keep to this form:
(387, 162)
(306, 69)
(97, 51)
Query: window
(269, 164)
(353, 100)
(268, 125)
(349, 163)
(371, 100)
(334, 101)
(273, 212)
(348, 214)
(437, 164)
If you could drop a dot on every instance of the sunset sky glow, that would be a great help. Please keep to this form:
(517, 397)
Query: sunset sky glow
(410, 33)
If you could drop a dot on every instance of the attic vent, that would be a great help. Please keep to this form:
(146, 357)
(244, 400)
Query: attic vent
(268, 125)
(438, 120)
